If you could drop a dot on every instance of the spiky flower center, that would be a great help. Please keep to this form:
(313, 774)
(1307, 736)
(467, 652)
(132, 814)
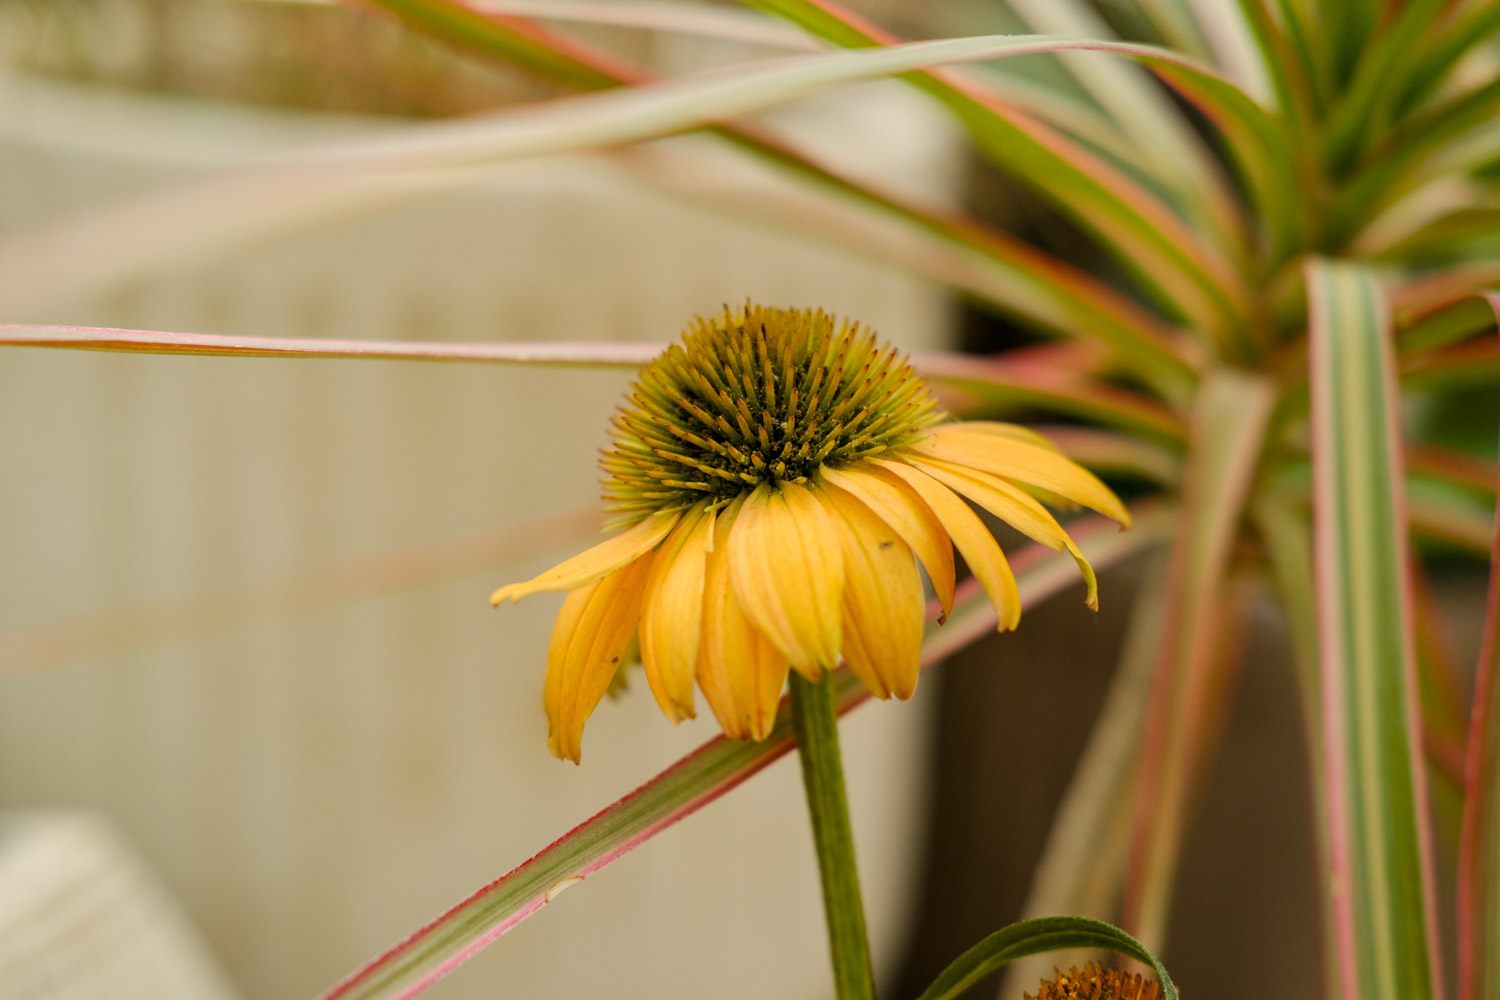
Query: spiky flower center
(758, 394)
(1096, 983)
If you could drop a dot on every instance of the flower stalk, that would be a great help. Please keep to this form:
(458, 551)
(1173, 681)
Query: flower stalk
(815, 723)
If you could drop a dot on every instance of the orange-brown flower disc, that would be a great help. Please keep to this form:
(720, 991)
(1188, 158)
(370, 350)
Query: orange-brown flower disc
(1096, 983)
(759, 394)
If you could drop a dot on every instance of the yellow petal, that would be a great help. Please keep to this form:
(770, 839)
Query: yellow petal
(597, 562)
(740, 671)
(883, 602)
(788, 574)
(590, 636)
(979, 548)
(897, 505)
(1014, 432)
(1023, 462)
(1013, 507)
(672, 613)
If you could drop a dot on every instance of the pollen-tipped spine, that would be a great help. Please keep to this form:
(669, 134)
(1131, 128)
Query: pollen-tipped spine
(758, 394)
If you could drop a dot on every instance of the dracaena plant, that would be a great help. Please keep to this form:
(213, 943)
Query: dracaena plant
(1282, 271)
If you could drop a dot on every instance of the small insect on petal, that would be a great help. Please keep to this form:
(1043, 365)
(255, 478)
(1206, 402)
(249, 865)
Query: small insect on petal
(979, 548)
(899, 506)
(883, 602)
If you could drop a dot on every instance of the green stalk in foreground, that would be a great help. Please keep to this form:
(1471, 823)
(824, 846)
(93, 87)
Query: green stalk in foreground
(815, 723)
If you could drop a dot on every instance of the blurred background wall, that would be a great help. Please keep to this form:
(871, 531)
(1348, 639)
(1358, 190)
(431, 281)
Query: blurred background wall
(193, 648)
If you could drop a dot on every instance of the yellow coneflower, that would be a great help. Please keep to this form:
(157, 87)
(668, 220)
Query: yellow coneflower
(1096, 983)
(779, 475)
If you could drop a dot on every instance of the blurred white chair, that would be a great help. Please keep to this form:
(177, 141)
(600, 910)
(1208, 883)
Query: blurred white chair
(83, 918)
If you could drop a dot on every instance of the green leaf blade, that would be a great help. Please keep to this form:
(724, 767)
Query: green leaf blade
(1380, 856)
(1028, 937)
(1226, 437)
(1479, 838)
(1185, 273)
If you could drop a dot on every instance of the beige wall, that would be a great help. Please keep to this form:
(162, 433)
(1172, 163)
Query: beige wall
(316, 785)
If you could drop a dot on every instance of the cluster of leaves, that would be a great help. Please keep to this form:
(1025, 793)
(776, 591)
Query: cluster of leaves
(1310, 252)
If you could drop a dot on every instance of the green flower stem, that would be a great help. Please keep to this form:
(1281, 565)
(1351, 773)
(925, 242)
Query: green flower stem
(815, 723)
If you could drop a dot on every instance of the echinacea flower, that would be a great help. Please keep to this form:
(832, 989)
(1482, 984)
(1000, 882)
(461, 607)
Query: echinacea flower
(779, 476)
(1096, 983)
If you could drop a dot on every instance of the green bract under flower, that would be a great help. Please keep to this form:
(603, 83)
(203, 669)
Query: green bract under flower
(758, 395)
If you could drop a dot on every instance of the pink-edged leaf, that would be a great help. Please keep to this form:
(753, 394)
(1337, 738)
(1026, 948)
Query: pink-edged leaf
(1442, 326)
(1173, 262)
(1004, 383)
(90, 338)
(974, 258)
(987, 380)
(1479, 838)
(429, 954)
(1226, 435)
(1442, 519)
(666, 16)
(1451, 467)
(1443, 287)
(1157, 129)
(142, 627)
(519, 40)
(983, 263)
(1082, 864)
(937, 365)
(1439, 691)
(1284, 524)
(131, 239)
(1469, 364)
(1380, 851)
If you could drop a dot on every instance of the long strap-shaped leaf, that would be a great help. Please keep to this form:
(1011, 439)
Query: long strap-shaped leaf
(988, 381)
(601, 354)
(1479, 842)
(1144, 114)
(414, 964)
(131, 238)
(1286, 534)
(1171, 260)
(1227, 433)
(1082, 864)
(1379, 841)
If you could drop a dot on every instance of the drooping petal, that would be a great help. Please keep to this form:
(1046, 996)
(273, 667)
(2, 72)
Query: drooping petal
(1014, 432)
(740, 671)
(788, 574)
(883, 603)
(672, 613)
(979, 548)
(597, 562)
(899, 506)
(1014, 507)
(592, 631)
(1026, 463)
